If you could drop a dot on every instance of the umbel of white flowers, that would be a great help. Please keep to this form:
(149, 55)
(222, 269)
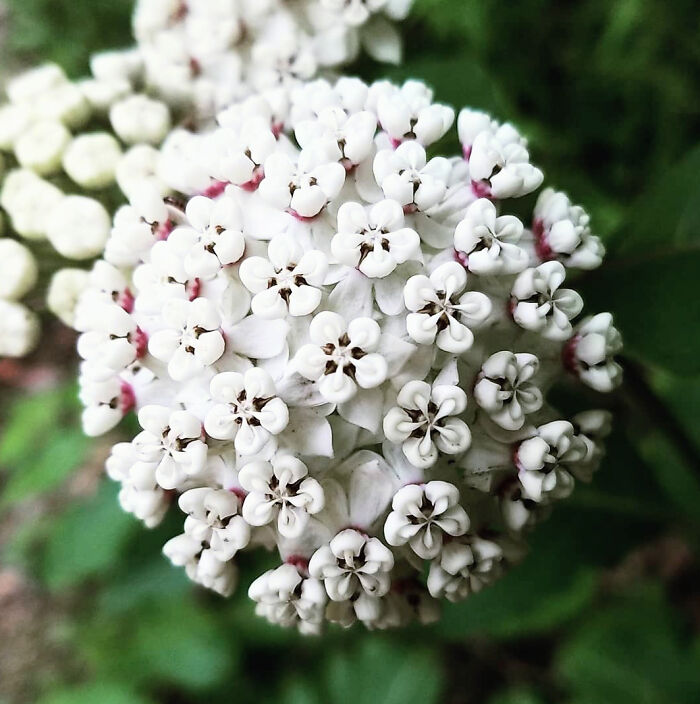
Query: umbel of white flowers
(339, 350)
(67, 142)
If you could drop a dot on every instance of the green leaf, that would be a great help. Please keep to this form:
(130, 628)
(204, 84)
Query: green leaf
(667, 216)
(28, 420)
(86, 540)
(655, 305)
(95, 693)
(63, 452)
(386, 673)
(517, 696)
(631, 653)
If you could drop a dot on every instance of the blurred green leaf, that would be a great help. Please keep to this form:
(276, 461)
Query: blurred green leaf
(96, 693)
(86, 540)
(29, 418)
(655, 305)
(62, 453)
(631, 653)
(381, 672)
(517, 696)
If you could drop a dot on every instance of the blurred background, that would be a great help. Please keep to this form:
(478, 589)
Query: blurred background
(606, 609)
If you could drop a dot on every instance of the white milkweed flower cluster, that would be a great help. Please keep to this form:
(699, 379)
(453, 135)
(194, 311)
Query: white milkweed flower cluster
(339, 348)
(68, 142)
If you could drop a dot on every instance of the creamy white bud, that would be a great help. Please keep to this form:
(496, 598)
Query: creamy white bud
(19, 329)
(65, 289)
(41, 147)
(91, 159)
(138, 119)
(78, 227)
(18, 269)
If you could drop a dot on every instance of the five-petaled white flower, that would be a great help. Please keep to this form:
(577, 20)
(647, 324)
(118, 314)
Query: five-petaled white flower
(422, 514)
(487, 243)
(590, 353)
(374, 240)
(212, 239)
(406, 176)
(424, 422)
(173, 441)
(304, 187)
(353, 566)
(288, 281)
(543, 460)
(284, 596)
(280, 489)
(246, 411)
(342, 357)
(464, 567)
(504, 388)
(538, 304)
(192, 339)
(441, 312)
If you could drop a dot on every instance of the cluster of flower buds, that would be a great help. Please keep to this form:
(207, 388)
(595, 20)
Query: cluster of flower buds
(339, 349)
(68, 142)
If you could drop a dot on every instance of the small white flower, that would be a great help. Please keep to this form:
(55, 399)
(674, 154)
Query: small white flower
(247, 410)
(440, 312)
(172, 441)
(140, 494)
(424, 422)
(306, 186)
(288, 281)
(590, 353)
(487, 243)
(137, 172)
(19, 329)
(342, 357)
(214, 520)
(562, 231)
(464, 568)
(542, 461)
(201, 564)
(285, 597)
(238, 155)
(350, 137)
(18, 269)
(422, 514)
(499, 164)
(78, 227)
(114, 340)
(353, 566)
(374, 240)
(106, 402)
(405, 175)
(91, 159)
(280, 489)
(191, 339)
(504, 388)
(212, 239)
(408, 113)
(539, 304)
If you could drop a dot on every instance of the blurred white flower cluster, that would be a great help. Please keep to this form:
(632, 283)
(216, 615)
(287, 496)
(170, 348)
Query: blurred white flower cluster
(339, 349)
(68, 142)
